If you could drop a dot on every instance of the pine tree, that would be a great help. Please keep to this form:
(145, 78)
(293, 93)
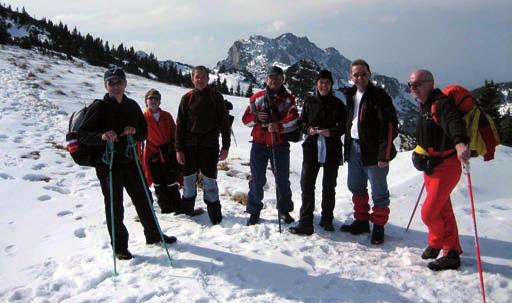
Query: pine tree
(5, 37)
(505, 129)
(238, 92)
(249, 91)
(489, 100)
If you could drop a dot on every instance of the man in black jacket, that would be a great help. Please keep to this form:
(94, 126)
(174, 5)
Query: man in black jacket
(371, 128)
(323, 119)
(112, 119)
(202, 116)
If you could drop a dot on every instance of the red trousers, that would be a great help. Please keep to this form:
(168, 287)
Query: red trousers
(437, 212)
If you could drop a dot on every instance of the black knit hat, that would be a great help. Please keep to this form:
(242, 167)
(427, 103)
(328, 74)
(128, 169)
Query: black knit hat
(324, 74)
(275, 70)
(114, 72)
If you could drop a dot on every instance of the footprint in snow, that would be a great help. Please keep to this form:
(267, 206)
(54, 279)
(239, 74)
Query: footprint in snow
(6, 176)
(17, 140)
(79, 205)
(3, 138)
(498, 207)
(39, 166)
(9, 249)
(36, 178)
(32, 155)
(60, 190)
(21, 295)
(44, 198)
(79, 233)
(64, 213)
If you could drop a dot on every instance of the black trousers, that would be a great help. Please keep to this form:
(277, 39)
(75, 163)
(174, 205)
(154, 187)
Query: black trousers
(165, 180)
(310, 169)
(201, 158)
(126, 176)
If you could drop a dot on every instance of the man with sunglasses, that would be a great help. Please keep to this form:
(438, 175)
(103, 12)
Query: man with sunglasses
(447, 141)
(112, 119)
(371, 128)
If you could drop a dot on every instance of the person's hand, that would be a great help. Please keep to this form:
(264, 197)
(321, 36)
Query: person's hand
(223, 155)
(324, 132)
(180, 157)
(312, 131)
(263, 117)
(382, 164)
(128, 130)
(109, 136)
(274, 127)
(463, 152)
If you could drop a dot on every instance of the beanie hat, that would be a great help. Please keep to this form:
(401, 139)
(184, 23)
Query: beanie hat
(275, 70)
(324, 74)
(152, 93)
(114, 72)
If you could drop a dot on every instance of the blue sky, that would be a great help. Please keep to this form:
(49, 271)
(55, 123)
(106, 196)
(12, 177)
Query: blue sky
(460, 41)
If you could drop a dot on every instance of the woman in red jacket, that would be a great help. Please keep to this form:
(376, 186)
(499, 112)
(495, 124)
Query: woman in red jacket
(160, 165)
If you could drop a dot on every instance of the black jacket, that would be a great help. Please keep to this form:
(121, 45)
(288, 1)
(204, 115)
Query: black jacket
(107, 115)
(450, 127)
(378, 125)
(202, 115)
(324, 112)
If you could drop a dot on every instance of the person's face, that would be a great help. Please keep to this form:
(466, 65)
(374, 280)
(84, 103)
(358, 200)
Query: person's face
(420, 85)
(360, 75)
(115, 87)
(274, 82)
(200, 80)
(323, 86)
(153, 104)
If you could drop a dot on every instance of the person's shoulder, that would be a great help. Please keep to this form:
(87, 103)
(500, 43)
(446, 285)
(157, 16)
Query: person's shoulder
(257, 95)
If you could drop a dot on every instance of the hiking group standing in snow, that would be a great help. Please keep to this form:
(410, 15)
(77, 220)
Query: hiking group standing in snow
(175, 155)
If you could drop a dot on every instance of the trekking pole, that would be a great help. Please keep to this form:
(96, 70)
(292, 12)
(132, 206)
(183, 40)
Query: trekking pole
(108, 158)
(132, 146)
(415, 206)
(274, 171)
(477, 246)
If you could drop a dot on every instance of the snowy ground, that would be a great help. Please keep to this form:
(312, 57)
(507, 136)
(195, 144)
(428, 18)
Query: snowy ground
(55, 247)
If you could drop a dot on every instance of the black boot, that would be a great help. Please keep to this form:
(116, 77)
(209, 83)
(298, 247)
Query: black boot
(214, 212)
(167, 239)
(163, 199)
(377, 234)
(356, 228)
(302, 229)
(253, 219)
(430, 253)
(450, 261)
(187, 207)
(123, 254)
(326, 224)
(285, 216)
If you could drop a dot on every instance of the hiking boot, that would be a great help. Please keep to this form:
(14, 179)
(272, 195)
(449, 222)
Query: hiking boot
(285, 216)
(430, 253)
(450, 261)
(187, 207)
(377, 234)
(302, 229)
(357, 227)
(326, 224)
(214, 212)
(253, 219)
(123, 254)
(167, 239)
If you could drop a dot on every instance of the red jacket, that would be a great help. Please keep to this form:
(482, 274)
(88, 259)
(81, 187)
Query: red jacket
(283, 110)
(159, 133)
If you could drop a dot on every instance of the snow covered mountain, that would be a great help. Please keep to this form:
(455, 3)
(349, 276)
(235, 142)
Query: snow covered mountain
(54, 244)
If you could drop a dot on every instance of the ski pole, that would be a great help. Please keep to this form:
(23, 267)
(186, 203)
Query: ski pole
(274, 171)
(415, 206)
(132, 146)
(477, 246)
(108, 158)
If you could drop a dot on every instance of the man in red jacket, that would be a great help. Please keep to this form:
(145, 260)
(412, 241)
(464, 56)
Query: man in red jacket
(446, 143)
(160, 165)
(271, 113)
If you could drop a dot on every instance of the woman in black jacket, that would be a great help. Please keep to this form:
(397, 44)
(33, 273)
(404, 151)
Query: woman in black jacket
(323, 120)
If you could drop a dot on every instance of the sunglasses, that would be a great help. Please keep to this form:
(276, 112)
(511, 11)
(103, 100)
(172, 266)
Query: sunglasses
(360, 75)
(154, 98)
(115, 82)
(417, 83)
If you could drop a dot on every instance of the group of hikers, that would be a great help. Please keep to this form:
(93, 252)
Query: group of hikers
(173, 154)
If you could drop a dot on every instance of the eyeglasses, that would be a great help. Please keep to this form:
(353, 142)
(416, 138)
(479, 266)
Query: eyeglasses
(154, 98)
(115, 82)
(360, 75)
(417, 83)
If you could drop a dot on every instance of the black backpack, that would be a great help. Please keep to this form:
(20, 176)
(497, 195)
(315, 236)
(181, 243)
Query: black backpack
(78, 151)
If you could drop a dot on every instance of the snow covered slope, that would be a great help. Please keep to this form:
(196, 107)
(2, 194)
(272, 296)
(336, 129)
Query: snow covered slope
(54, 245)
